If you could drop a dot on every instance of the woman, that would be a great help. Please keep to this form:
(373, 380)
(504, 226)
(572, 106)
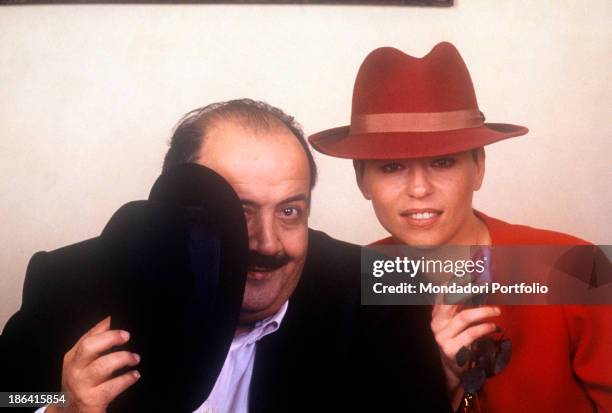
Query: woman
(416, 138)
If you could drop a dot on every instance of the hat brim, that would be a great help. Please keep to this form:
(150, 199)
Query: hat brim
(340, 143)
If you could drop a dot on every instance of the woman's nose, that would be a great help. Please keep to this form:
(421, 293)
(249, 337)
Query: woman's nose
(419, 184)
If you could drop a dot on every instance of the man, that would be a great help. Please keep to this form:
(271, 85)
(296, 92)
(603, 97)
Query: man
(303, 342)
(416, 138)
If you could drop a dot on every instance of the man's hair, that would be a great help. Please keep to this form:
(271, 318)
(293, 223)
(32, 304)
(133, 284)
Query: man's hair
(190, 131)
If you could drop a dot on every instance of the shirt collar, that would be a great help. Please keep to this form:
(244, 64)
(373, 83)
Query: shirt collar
(261, 328)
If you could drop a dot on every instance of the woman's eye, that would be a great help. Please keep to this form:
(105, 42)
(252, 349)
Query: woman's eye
(391, 167)
(443, 163)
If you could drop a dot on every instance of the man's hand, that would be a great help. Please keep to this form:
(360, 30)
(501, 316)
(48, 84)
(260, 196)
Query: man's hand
(453, 328)
(87, 374)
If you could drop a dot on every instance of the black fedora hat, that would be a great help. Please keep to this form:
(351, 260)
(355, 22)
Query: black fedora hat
(178, 263)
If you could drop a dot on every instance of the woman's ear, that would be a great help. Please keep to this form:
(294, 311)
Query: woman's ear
(359, 165)
(479, 158)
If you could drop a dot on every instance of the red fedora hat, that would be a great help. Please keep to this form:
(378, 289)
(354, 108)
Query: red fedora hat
(409, 107)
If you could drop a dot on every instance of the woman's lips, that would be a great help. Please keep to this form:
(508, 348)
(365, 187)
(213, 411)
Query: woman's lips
(421, 217)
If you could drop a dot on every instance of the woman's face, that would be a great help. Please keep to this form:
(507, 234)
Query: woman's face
(425, 201)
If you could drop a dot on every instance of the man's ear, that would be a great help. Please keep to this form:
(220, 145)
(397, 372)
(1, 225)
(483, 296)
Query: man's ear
(359, 165)
(480, 167)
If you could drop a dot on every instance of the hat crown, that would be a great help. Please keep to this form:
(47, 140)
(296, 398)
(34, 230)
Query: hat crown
(410, 107)
(390, 81)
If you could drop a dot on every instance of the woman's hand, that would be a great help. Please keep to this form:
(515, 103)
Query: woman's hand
(455, 327)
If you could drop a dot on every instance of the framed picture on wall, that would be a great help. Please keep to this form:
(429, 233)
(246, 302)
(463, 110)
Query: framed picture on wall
(438, 3)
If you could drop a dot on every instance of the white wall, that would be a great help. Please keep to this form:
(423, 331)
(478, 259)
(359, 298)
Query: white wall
(89, 95)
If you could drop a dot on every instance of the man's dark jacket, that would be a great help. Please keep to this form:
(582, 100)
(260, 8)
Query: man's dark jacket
(329, 354)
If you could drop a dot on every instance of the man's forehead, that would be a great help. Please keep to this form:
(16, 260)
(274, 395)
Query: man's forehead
(269, 189)
(265, 161)
(261, 196)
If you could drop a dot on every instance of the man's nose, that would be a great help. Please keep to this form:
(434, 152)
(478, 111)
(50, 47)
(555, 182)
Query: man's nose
(263, 236)
(419, 183)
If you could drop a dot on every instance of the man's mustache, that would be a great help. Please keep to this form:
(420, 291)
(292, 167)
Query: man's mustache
(261, 262)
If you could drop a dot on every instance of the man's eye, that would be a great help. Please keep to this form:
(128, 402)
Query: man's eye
(391, 167)
(247, 211)
(443, 163)
(290, 212)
